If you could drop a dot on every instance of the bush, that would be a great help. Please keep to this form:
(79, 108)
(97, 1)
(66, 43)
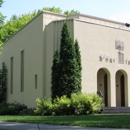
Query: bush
(86, 103)
(44, 106)
(28, 111)
(77, 104)
(62, 106)
(15, 109)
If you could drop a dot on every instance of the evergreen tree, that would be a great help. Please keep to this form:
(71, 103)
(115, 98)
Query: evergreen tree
(55, 75)
(3, 83)
(66, 69)
(68, 81)
(78, 58)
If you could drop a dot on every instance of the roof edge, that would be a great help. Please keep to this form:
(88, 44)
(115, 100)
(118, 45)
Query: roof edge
(108, 20)
(23, 27)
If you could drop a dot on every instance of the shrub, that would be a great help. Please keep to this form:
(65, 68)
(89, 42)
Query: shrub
(28, 111)
(77, 104)
(86, 103)
(15, 109)
(96, 102)
(4, 109)
(44, 106)
(62, 106)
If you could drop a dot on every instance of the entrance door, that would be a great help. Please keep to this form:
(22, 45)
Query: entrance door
(105, 90)
(122, 83)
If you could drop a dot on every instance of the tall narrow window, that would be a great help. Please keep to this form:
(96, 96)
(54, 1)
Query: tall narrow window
(22, 71)
(11, 76)
(121, 58)
(35, 81)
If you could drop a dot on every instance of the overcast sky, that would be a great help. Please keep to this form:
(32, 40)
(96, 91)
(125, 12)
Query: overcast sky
(118, 10)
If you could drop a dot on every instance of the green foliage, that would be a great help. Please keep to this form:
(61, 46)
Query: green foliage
(66, 71)
(55, 75)
(62, 106)
(2, 17)
(78, 104)
(1, 2)
(44, 106)
(86, 103)
(71, 12)
(15, 109)
(27, 111)
(3, 82)
(15, 24)
(99, 121)
(53, 9)
(58, 10)
(79, 66)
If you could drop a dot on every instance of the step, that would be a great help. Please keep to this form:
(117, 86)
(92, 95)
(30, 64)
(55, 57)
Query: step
(112, 110)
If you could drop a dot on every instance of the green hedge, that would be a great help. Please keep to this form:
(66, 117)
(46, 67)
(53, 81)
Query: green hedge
(76, 105)
(15, 109)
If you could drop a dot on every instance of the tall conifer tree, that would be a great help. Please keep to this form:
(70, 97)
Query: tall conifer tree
(68, 80)
(66, 69)
(78, 58)
(55, 75)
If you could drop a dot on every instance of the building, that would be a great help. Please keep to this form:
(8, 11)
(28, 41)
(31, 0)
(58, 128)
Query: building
(105, 52)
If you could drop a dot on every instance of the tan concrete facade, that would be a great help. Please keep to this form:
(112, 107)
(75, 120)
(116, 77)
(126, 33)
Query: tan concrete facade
(97, 38)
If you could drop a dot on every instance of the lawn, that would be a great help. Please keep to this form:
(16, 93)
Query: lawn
(109, 121)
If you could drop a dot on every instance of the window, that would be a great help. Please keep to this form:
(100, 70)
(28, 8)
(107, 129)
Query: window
(11, 76)
(22, 71)
(35, 81)
(121, 58)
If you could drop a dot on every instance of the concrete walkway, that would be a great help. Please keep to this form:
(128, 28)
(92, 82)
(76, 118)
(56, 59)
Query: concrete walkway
(28, 126)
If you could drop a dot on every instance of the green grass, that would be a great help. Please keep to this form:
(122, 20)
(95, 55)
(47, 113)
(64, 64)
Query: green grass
(109, 121)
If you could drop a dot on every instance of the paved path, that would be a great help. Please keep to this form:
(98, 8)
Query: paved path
(28, 126)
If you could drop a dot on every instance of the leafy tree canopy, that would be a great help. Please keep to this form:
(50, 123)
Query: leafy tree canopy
(17, 22)
(53, 9)
(2, 17)
(14, 24)
(58, 10)
(1, 2)
(71, 12)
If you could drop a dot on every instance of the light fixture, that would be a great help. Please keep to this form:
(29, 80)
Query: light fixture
(127, 24)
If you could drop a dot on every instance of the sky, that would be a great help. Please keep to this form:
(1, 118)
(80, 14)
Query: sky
(118, 10)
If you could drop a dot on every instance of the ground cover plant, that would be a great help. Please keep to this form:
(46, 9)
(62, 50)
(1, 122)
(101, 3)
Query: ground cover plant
(99, 120)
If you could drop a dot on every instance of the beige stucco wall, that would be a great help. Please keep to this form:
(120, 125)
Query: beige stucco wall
(31, 39)
(95, 40)
(41, 38)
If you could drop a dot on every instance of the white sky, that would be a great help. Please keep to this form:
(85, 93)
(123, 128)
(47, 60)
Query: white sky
(118, 10)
